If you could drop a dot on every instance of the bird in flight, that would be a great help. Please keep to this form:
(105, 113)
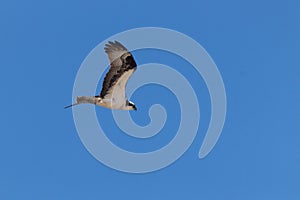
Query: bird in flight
(113, 93)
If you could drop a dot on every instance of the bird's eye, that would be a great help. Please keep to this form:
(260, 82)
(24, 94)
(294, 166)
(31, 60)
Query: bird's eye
(128, 59)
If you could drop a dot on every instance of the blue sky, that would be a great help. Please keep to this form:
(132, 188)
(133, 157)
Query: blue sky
(256, 48)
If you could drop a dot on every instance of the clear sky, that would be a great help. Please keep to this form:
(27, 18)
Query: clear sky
(256, 47)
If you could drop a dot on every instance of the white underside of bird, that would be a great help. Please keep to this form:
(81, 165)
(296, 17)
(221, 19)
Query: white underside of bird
(113, 94)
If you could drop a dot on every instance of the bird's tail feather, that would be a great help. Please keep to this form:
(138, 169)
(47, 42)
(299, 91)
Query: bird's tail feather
(83, 99)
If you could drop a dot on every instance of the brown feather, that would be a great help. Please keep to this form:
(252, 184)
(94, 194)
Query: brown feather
(121, 61)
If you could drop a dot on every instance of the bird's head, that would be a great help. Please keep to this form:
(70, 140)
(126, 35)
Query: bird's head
(131, 106)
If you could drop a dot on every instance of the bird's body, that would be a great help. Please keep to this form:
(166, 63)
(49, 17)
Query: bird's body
(113, 93)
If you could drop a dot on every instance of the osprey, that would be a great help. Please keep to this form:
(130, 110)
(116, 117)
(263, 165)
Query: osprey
(113, 93)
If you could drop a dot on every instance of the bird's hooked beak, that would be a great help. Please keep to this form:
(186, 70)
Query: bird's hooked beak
(133, 107)
(131, 104)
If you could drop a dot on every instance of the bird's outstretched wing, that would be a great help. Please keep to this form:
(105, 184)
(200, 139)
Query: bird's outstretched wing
(122, 66)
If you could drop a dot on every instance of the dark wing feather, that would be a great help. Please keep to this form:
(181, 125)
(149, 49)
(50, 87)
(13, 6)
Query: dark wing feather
(121, 61)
